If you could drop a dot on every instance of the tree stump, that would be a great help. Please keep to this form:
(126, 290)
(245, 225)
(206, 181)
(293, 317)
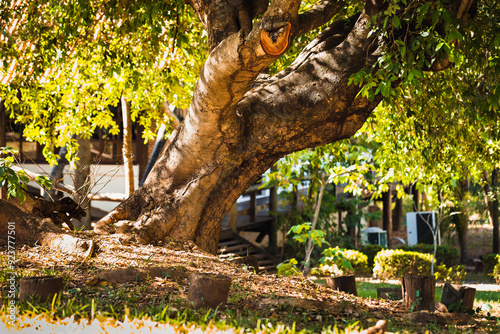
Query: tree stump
(206, 290)
(419, 292)
(43, 287)
(345, 283)
(458, 298)
(249, 261)
(390, 293)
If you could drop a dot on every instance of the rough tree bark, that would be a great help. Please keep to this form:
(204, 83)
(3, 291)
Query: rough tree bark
(241, 121)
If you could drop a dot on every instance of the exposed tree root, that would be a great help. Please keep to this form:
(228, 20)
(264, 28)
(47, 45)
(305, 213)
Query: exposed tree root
(27, 228)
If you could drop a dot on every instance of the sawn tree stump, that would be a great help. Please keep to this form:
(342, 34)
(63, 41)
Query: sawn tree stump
(458, 298)
(206, 290)
(43, 287)
(345, 283)
(419, 292)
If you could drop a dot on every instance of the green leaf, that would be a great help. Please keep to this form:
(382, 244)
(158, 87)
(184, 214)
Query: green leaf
(496, 42)
(396, 22)
(45, 182)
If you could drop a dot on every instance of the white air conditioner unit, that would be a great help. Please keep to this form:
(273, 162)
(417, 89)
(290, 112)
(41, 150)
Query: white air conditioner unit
(374, 236)
(418, 226)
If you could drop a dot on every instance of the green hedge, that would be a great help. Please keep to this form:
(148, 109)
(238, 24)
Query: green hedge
(445, 254)
(489, 262)
(396, 263)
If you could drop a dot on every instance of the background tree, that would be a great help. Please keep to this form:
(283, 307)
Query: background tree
(241, 121)
(444, 132)
(65, 63)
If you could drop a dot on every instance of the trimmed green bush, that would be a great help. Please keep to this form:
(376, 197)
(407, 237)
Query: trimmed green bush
(445, 254)
(396, 263)
(371, 251)
(489, 262)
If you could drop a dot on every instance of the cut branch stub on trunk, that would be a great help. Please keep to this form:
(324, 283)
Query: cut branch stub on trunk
(276, 40)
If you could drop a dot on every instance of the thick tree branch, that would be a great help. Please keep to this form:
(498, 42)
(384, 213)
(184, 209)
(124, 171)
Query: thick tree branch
(302, 104)
(222, 18)
(318, 16)
(464, 8)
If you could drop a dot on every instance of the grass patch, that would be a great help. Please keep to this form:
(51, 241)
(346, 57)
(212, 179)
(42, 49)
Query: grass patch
(489, 301)
(369, 290)
(175, 315)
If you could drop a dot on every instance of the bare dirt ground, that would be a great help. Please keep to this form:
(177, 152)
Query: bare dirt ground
(120, 273)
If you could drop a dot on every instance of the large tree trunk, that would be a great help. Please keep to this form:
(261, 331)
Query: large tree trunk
(490, 188)
(241, 122)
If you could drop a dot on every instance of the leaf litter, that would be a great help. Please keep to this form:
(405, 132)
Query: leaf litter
(124, 276)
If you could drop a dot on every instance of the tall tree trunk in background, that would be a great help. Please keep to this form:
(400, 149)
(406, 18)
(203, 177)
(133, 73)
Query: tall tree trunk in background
(387, 213)
(490, 189)
(397, 215)
(416, 198)
(461, 219)
(317, 208)
(82, 181)
(128, 158)
(241, 121)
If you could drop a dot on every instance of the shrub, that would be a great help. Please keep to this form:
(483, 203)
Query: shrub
(489, 262)
(450, 274)
(359, 262)
(445, 254)
(397, 263)
(288, 268)
(371, 251)
(338, 261)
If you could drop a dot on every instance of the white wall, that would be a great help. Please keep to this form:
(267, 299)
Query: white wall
(104, 179)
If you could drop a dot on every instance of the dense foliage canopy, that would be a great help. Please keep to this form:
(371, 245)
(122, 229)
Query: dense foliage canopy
(65, 62)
